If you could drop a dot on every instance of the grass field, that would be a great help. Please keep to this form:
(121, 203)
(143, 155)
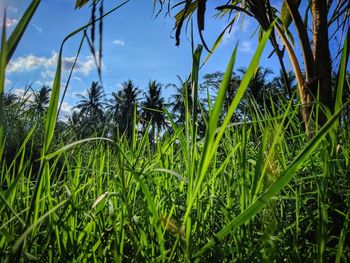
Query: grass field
(259, 190)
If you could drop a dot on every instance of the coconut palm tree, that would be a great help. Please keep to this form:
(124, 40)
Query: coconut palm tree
(40, 102)
(259, 87)
(213, 81)
(91, 106)
(177, 100)
(91, 109)
(9, 99)
(152, 108)
(122, 107)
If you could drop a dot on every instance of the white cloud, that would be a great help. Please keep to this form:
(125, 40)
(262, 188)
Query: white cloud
(7, 82)
(47, 74)
(119, 42)
(246, 47)
(66, 111)
(39, 29)
(32, 62)
(27, 95)
(85, 66)
(11, 22)
(12, 9)
(238, 27)
(66, 108)
(77, 79)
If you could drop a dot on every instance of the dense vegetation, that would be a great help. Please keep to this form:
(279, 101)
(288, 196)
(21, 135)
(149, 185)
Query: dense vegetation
(225, 170)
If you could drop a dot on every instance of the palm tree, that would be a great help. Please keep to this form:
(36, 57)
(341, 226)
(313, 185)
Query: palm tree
(213, 81)
(113, 106)
(259, 88)
(9, 99)
(153, 108)
(122, 107)
(280, 83)
(178, 100)
(40, 102)
(91, 106)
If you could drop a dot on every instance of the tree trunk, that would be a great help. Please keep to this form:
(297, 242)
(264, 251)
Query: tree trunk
(323, 64)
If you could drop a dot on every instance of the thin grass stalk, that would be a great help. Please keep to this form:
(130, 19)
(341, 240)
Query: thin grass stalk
(3, 56)
(276, 187)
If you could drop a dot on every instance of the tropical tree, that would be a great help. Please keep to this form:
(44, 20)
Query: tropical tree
(113, 107)
(280, 83)
(40, 101)
(212, 81)
(91, 106)
(153, 108)
(91, 109)
(181, 103)
(330, 21)
(123, 105)
(259, 88)
(178, 100)
(9, 99)
(75, 123)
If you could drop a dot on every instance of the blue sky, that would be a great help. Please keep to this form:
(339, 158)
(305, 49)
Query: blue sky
(136, 46)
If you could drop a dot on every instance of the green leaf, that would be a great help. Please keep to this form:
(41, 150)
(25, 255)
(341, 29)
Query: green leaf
(37, 222)
(20, 28)
(279, 184)
(73, 144)
(285, 16)
(3, 56)
(80, 3)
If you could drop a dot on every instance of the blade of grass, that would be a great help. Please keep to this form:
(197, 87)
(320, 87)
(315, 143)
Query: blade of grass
(20, 240)
(276, 187)
(3, 56)
(211, 142)
(18, 32)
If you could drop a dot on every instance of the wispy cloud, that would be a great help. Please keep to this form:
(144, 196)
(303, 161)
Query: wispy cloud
(238, 27)
(246, 46)
(31, 62)
(10, 22)
(27, 95)
(7, 82)
(12, 9)
(47, 74)
(66, 111)
(39, 29)
(66, 108)
(77, 79)
(119, 42)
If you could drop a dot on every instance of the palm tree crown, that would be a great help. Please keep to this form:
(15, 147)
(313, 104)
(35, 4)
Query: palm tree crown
(41, 101)
(91, 106)
(153, 107)
(122, 106)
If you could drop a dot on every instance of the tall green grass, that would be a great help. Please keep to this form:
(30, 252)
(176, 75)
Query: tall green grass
(252, 191)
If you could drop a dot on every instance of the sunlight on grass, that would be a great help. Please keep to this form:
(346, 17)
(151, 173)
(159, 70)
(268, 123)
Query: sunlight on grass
(253, 190)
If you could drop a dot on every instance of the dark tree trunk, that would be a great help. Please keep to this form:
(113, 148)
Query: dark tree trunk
(323, 64)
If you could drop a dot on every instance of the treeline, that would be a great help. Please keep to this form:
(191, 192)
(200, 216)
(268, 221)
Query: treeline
(96, 114)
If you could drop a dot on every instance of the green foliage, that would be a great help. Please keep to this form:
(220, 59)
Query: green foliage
(257, 190)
